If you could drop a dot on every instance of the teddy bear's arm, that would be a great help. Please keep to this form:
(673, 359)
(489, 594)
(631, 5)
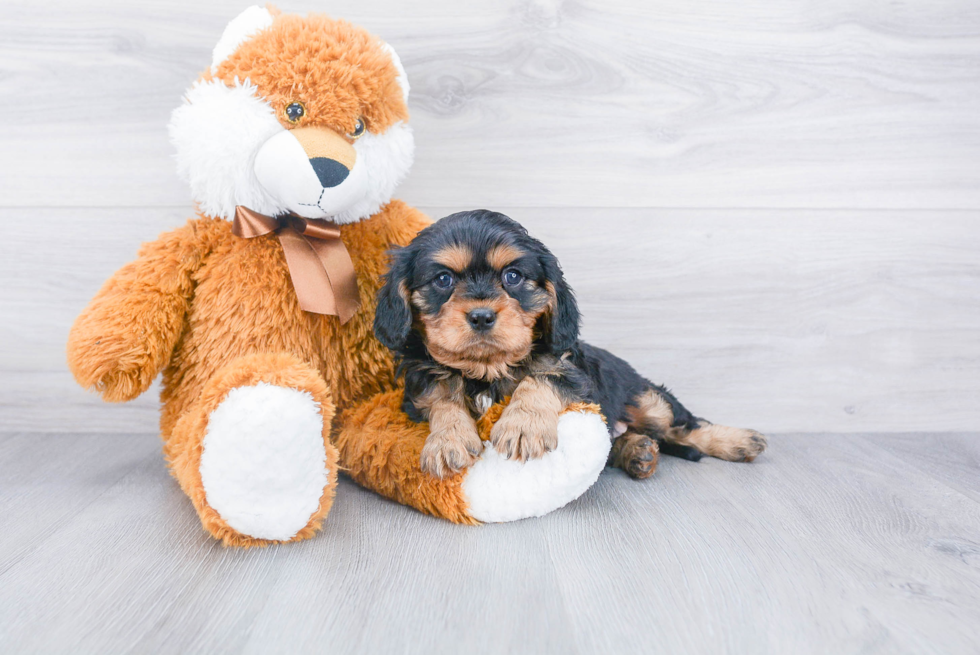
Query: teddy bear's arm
(126, 335)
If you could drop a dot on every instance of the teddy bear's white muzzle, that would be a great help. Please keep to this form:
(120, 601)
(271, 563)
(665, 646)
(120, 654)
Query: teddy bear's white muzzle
(313, 172)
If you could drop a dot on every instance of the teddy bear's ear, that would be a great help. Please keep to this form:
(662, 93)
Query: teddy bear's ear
(402, 77)
(244, 26)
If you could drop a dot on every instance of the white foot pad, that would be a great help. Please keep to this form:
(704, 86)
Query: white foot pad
(499, 489)
(263, 466)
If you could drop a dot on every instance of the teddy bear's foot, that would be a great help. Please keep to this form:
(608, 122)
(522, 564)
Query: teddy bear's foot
(498, 489)
(381, 448)
(253, 454)
(262, 464)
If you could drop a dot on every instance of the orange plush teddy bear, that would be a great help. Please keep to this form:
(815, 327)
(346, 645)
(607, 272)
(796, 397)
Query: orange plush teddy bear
(259, 311)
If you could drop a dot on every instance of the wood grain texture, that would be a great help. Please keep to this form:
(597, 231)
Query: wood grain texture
(828, 543)
(778, 320)
(541, 102)
(771, 207)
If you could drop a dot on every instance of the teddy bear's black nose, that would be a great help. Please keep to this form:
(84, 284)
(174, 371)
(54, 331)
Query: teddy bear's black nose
(330, 171)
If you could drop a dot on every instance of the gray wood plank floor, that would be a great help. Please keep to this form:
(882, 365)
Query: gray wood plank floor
(829, 543)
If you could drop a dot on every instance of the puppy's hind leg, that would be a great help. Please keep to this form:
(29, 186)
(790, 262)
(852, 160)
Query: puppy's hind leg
(724, 442)
(656, 413)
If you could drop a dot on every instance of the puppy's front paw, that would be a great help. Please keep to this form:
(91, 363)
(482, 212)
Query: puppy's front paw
(450, 450)
(522, 434)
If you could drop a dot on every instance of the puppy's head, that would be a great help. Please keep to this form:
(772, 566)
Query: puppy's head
(479, 293)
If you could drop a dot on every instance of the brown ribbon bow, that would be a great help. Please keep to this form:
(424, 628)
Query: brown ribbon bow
(319, 264)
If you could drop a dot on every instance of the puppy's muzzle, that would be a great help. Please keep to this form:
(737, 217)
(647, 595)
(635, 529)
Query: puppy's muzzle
(481, 319)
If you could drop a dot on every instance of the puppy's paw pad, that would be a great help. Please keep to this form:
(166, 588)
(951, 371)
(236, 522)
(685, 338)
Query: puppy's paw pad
(638, 457)
(643, 462)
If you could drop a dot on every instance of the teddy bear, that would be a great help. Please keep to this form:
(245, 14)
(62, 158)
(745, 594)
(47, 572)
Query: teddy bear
(258, 312)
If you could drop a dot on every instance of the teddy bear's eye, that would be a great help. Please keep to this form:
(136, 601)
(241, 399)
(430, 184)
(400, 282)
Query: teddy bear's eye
(294, 111)
(359, 129)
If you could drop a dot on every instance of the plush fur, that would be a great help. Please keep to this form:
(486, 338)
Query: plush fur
(258, 395)
(381, 447)
(339, 73)
(217, 314)
(477, 311)
(184, 445)
(214, 131)
(244, 26)
(501, 489)
(263, 460)
(199, 300)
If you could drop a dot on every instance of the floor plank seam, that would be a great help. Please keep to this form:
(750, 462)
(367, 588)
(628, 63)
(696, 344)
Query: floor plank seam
(62, 524)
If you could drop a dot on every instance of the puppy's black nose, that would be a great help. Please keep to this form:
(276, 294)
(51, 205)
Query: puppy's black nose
(329, 171)
(482, 319)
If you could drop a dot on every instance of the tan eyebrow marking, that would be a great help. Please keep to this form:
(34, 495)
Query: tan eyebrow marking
(501, 255)
(456, 256)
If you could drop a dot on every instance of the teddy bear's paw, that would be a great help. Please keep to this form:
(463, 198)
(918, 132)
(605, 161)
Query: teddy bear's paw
(122, 384)
(263, 464)
(499, 489)
(117, 369)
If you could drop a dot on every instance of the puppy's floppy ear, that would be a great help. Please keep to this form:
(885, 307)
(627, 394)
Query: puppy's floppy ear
(562, 325)
(393, 317)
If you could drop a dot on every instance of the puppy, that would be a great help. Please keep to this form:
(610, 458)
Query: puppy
(477, 311)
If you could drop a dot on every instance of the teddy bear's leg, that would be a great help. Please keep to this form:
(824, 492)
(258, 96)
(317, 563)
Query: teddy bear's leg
(253, 451)
(380, 449)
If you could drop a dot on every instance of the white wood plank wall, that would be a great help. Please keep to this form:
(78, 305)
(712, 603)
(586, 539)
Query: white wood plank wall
(771, 207)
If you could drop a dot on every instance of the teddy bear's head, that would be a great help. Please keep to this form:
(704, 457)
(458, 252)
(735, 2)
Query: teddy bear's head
(296, 114)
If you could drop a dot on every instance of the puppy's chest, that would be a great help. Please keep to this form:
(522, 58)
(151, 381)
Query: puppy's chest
(482, 402)
(482, 395)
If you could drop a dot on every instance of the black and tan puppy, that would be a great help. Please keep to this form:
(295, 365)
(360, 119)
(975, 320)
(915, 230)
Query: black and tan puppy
(476, 311)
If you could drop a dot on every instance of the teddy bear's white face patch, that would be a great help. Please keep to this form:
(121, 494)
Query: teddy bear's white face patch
(313, 172)
(217, 132)
(386, 159)
(233, 151)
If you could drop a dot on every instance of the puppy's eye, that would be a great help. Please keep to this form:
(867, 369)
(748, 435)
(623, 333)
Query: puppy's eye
(294, 111)
(359, 129)
(512, 277)
(444, 280)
